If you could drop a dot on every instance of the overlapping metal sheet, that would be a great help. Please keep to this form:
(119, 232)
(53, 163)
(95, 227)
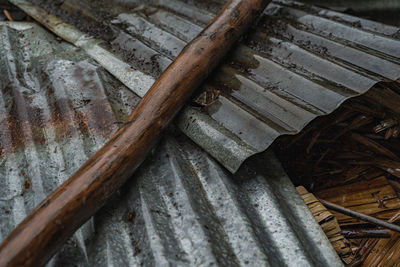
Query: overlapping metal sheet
(299, 62)
(357, 5)
(58, 106)
(183, 209)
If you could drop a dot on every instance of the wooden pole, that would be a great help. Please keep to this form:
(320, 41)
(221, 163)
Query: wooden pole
(363, 217)
(46, 229)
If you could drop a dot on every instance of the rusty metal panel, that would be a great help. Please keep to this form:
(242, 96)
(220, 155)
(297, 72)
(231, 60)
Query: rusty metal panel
(300, 62)
(58, 106)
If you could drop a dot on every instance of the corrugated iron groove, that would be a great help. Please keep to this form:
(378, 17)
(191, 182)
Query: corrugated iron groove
(338, 53)
(360, 39)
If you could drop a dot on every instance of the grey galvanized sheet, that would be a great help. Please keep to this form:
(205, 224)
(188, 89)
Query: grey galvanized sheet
(300, 62)
(183, 209)
(58, 106)
(357, 5)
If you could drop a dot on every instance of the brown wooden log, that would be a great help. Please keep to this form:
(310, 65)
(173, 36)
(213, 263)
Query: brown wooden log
(45, 230)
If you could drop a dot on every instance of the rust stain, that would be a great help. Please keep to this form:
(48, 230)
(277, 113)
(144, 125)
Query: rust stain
(26, 123)
(21, 115)
(27, 183)
(63, 119)
(131, 216)
(101, 119)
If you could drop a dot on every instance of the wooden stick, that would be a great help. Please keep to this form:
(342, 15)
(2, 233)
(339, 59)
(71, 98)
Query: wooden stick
(8, 15)
(358, 233)
(46, 229)
(360, 216)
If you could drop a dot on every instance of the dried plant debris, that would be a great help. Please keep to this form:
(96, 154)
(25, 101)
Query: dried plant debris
(355, 143)
(380, 252)
(329, 225)
(352, 158)
(374, 197)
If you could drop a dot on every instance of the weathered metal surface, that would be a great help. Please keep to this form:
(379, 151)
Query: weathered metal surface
(385, 11)
(293, 67)
(300, 62)
(357, 5)
(183, 209)
(67, 208)
(58, 106)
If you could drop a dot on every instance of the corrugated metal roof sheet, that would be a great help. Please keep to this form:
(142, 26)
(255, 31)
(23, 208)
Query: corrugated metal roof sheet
(58, 106)
(357, 5)
(293, 67)
(298, 63)
(184, 209)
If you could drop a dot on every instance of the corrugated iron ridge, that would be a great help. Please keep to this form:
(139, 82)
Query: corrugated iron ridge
(290, 70)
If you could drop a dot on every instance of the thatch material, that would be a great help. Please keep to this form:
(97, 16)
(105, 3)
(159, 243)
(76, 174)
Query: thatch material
(352, 158)
(374, 197)
(329, 225)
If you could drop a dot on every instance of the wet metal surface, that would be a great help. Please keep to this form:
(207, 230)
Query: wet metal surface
(184, 209)
(298, 63)
(61, 102)
(58, 106)
(385, 11)
(357, 5)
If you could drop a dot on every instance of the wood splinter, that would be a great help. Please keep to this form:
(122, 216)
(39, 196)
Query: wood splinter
(8, 15)
(359, 233)
(45, 230)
